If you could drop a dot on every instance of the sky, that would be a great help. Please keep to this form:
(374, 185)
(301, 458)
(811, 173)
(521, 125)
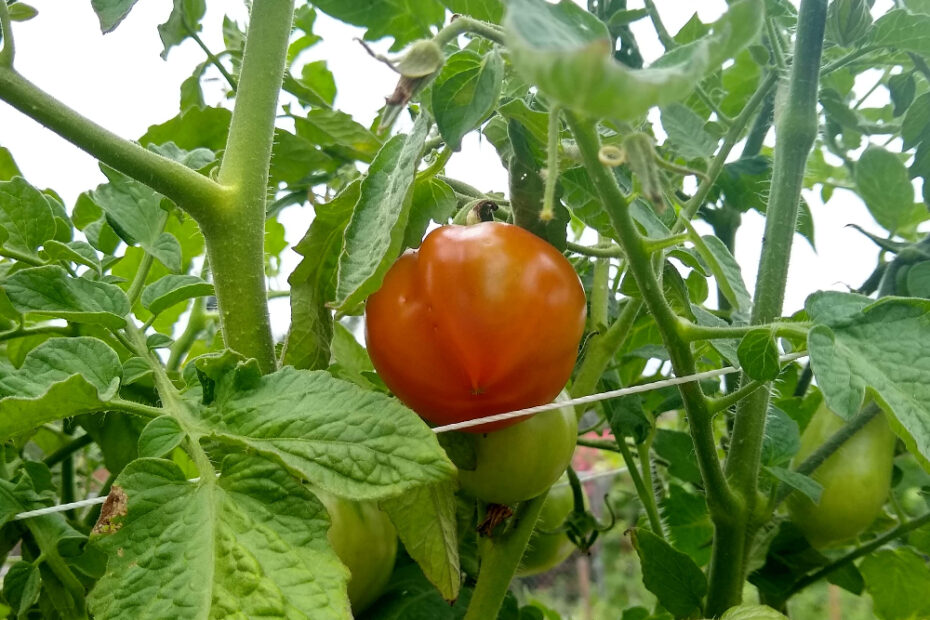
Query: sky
(120, 81)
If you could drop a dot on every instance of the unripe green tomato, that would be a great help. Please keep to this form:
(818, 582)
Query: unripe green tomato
(855, 479)
(521, 461)
(366, 542)
(545, 551)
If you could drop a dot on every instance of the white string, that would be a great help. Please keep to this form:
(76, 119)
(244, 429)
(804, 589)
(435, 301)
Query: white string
(593, 398)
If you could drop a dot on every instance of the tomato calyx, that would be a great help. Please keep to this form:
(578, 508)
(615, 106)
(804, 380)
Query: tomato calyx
(496, 514)
(481, 210)
(581, 526)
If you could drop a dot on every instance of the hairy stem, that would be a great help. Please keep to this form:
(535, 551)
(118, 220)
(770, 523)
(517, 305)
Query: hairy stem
(500, 559)
(193, 192)
(794, 137)
(461, 25)
(6, 29)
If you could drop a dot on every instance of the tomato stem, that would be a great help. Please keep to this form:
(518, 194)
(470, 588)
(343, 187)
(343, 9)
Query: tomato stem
(462, 25)
(552, 164)
(500, 558)
(6, 29)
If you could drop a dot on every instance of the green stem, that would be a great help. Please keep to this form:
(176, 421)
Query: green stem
(6, 28)
(729, 141)
(552, 164)
(193, 192)
(67, 450)
(598, 251)
(598, 302)
(601, 349)
(22, 257)
(795, 134)
(214, 60)
(436, 167)
(692, 331)
(195, 324)
(145, 265)
(48, 545)
(831, 445)
(599, 444)
(500, 559)
(864, 550)
(719, 496)
(142, 410)
(650, 500)
(462, 24)
(725, 402)
(23, 332)
(656, 245)
(778, 52)
(235, 239)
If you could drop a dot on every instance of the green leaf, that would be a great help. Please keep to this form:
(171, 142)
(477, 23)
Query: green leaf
(425, 521)
(914, 128)
(566, 51)
(405, 20)
(758, 354)
(375, 232)
(135, 369)
(677, 449)
(918, 280)
(466, 92)
(25, 216)
(160, 436)
(485, 10)
(134, 210)
(900, 29)
(686, 132)
(433, 200)
(251, 543)
(726, 270)
(671, 575)
(351, 442)
(8, 167)
(193, 128)
(173, 289)
(527, 188)
(726, 347)
(313, 283)
(111, 12)
(61, 377)
(536, 121)
(350, 359)
(183, 21)
(689, 526)
(339, 133)
(875, 350)
(317, 77)
(898, 580)
(50, 291)
(581, 198)
(625, 415)
(902, 88)
(21, 586)
(78, 252)
(781, 439)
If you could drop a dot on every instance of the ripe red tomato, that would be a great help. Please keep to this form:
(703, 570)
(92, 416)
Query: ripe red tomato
(521, 461)
(366, 542)
(856, 479)
(480, 320)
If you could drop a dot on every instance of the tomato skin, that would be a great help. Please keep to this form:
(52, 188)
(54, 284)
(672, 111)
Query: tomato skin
(480, 320)
(545, 551)
(856, 480)
(365, 540)
(521, 461)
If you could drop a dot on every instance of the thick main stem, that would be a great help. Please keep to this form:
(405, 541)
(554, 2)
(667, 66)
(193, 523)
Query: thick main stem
(235, 239)
(794, 136)
(499, 561)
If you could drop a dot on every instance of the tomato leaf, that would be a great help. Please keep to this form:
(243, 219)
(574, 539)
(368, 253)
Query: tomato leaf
(677, 449)
(671, 575)
(566, 51)
(111, 12)
(77, 252)
(183, 22)
(758, 354)
(26, 217)
(425, 521)
(903, 30)
(375, 231)
(686, 132)
(875, 349)
(351, 442)
(21, 587)
(160, 436)
(726, 270)
(885, 187)
(799, 482)
(50, 291)
(465, 93)
(8, 167)
(689, 526)
(433, 200)
(313, 283)
(61, 377)
(527, 188)
(898, 580)
(485, 10)
(251, 542)
(338, 132)
(173, 289)
(752, 612)
(405, 20)
(781, 438)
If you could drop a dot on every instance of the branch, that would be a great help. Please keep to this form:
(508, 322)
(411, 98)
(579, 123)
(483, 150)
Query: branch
(6, 29)
(193, 192)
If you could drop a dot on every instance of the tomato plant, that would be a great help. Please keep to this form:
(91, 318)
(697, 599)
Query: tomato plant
(855, 480)
(632, 161)
(366, 542)
(479, 320)
(510, 465)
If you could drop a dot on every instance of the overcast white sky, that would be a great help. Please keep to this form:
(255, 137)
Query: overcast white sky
(120, 81)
